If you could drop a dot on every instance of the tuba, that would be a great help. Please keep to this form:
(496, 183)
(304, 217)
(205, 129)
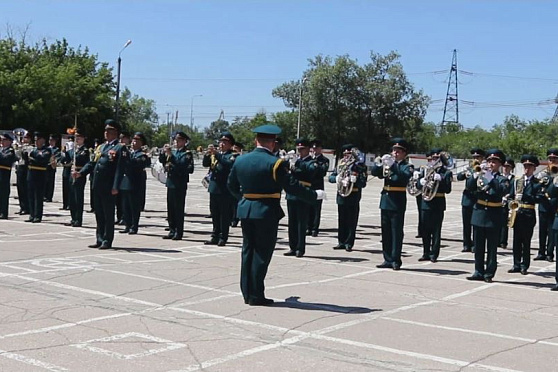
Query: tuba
(430, 187)
(344, 172)
(547, 174)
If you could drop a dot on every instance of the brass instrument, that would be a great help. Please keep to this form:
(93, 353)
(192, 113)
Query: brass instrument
(430, 187)
(412, 185)
(345, 171)
(380, 162)
(513, 205)
(548, 173)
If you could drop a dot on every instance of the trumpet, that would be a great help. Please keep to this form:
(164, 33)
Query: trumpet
(385, 162)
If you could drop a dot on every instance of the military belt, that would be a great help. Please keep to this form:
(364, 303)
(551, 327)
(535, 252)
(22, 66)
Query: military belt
(489, 204)
(440, 195)
(304, 183)
(276, 195)
(78, 168)
(5, 167)
(395, 188)
(527, 206)
(355, 189)
(32, 167)
(68, 165)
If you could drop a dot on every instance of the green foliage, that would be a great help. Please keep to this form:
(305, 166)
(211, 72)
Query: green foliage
(138, 114)
(44, 86)
(344, 102)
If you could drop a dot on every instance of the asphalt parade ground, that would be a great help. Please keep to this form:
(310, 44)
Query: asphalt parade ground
(150, 304)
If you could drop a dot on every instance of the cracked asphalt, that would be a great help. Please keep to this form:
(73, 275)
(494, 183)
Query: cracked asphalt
(157, 305)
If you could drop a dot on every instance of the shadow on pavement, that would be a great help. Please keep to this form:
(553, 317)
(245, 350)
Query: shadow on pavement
(149, 250)
(340, 259)
(438, 271)
(294, 303)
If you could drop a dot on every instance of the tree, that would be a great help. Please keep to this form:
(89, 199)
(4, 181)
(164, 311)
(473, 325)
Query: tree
(44, 86)
(366, 105)
(215, 129)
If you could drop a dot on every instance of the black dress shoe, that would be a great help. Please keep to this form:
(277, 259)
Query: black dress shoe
(77, 224)
(260, 302)
(133, 232)
(433, 260)
(96, 245)
(299, 254)
(308, 233)
(170, 236)
(91, 211)
(314, 234)
(523, 271)
(514, 270)
(167, 228)
(105, 246)
(540, 257)
(555, 288)
(24, 212)
(348, 248)
(423, 258)
(125, 231)
(37, 220)
(69, 223)
(475, 277)
(488, 279)
(289, 253)
(177, 237)
(29, 220)
(221, 243)
(385, 265)
(339, 246)
(2, 217)
(212, 241)
(465, 249)
(396, 266)
(550, 259)
(418, 236)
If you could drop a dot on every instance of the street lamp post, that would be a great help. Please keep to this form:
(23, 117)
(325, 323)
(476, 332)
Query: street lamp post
(192, 110)
(300, 108)
(117, 110)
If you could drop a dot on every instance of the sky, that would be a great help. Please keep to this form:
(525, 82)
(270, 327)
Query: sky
(201, 57)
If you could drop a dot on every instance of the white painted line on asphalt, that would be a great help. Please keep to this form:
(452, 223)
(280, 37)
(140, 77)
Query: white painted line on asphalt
(167, 345)
(299, 334)
(31, 361)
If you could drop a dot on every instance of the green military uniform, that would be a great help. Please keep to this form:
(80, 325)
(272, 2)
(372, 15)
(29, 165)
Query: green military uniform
(21, 176)
(547, 208)
(220, 198)
(39, 161)
(7, 159)
(179, 166)
(393, 204)
(80, 156)
(433, 210)
(256, 179)
(468, 201)
(51, 172)
(526, 192)
(298, 209)
(131, 186)
(504, 232)
(322, 166)
(553, 193)
(108, 165)
(348, 206)
(237, 151)
(487, 217)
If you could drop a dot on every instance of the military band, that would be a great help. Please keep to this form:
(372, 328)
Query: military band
(350, 178)
(75, 159)
(304, 169)
(220, 163)
(396, 172)
(179, 164)
(497, 199)
(435, 183)
(7, 159)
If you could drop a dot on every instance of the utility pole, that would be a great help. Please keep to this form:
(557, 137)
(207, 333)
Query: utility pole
(555, 116)
(451, 107)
